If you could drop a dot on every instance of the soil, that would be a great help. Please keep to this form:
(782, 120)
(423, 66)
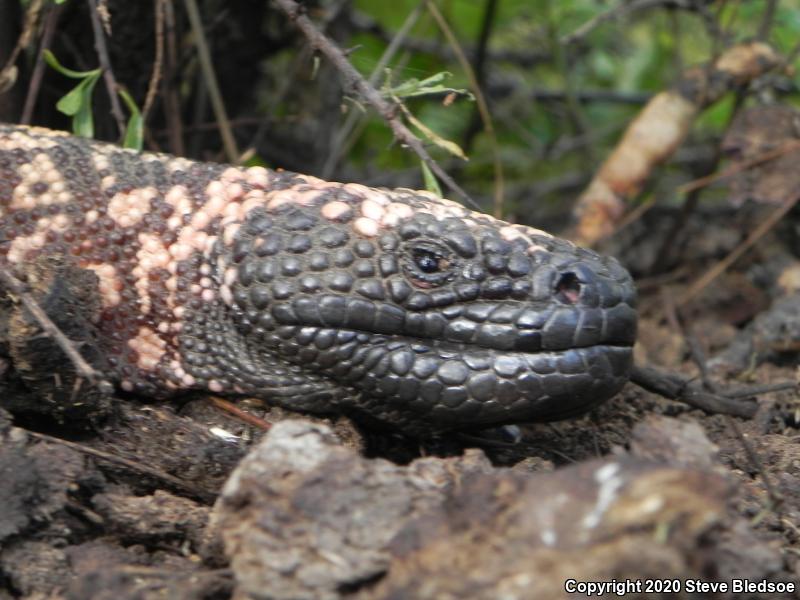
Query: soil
(119, 502)
(80, 525)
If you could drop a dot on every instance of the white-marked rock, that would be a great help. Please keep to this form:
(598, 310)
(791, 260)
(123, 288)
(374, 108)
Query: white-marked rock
(304, 517)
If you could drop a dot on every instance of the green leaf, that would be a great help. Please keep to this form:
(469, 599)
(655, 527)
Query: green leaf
(431, 184)
(70, 103)
(51, 60)
(411, 88)
(134, 132)
(432, 136)
(78, 104)
(83, 123)
(256, 161)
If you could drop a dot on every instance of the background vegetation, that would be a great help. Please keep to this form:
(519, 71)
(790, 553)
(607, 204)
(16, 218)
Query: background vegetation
(561, 78)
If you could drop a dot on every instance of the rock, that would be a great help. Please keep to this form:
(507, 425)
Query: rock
(34, 480)
(160, 518)
(673, 442)
(304, 517)
(511, 537)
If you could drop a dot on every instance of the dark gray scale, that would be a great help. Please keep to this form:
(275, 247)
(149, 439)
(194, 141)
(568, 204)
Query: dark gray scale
(435, 324)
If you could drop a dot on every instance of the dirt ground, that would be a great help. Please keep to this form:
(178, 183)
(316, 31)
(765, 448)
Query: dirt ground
(121, 509)
(133, 503)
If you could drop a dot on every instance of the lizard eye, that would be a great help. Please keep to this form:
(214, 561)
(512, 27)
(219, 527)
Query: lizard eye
(429, 265)
(428, 262)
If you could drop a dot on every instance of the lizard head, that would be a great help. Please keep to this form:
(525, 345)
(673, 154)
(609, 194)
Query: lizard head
(420, 313)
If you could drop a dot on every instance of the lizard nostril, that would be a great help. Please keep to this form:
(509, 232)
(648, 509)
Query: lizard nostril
(568, 288)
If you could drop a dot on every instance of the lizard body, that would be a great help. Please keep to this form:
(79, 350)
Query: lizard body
(318, 296)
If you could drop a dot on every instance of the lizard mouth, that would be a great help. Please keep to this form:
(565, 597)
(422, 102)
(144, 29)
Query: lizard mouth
(464, 366)
(504, 326)
(437, 384)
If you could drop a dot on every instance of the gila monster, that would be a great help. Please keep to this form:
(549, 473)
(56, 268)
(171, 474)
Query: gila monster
(321, 297)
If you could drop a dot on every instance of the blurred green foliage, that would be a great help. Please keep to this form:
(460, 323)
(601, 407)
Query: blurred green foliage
(558, 115)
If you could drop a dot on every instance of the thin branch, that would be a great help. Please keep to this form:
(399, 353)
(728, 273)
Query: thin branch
(483, 108)
(185, 487)
(84, 369)
(172, 103)
(616, 12)
(522, 57)
(702, 182)
(775, 497)
(754, 390)
(574, 110)
(158, 62)
(677, 387)
(700, 284)
(354, 79)
(699, 358)
(503, 89)
(767, 20)
(479, 60)
(35, 83)
(338, 147)
(204, 55)
(105, 63)
(8, 71)
(240, 414)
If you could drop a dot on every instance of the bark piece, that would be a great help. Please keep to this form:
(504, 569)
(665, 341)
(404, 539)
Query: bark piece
(757, 132)
(658, 131)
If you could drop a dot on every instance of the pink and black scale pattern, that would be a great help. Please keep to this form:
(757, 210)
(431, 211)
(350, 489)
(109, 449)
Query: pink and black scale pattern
(319, 296)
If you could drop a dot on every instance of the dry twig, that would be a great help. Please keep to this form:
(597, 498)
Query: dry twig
(339, 145)
(185, 487)
(682, 389)
(483, 107)
(616, 12)
(35, 83)
(84, 369)
(240, 414)
(8, 72)
(700, 284)
(659, 130)
(204, 55)
(172, 103)
(158, 62)
(105, 63)
(356, 81)
(699, 358)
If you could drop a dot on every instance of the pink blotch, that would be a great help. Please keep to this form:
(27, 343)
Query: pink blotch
(226, 295)
(335, 210)
(257, 176)
(200, 220)
(366, 227)
(358, 190)
(372, 210)
(232, 174)
(280, 198)
(234, 191)
(404, 211)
